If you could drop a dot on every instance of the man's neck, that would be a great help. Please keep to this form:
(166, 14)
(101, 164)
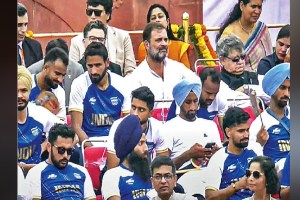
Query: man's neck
(41, 83)
(279, 111)
(126, 164)
(233, 149)
(22, 115)
(166, 197)
(104, 83)
(157, 67)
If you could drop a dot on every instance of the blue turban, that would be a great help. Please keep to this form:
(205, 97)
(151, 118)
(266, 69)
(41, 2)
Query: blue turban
(127, 136)
(183, 88)
(275, 77)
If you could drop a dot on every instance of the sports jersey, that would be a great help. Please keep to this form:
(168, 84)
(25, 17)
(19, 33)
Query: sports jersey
(121, 181)
(225, 168)
(154, 140)
(217, 107)
(46, 181)
(32, 132)
(100, 108)
(59, 93)
(180, 135)
(162, 88)
(278, 144)
(285, 174)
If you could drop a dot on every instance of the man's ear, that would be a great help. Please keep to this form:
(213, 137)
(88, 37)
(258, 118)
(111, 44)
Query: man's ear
(48, 145)
(146, 44)
(107, 62)
(227, 132)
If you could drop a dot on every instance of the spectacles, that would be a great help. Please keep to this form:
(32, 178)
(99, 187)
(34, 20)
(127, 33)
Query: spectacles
(237, 58)
(97, 13)
(62, 150)
(256, 174)
(96, 39)
(159, 177)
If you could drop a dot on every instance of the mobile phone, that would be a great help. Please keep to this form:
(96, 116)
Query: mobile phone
(210, 145)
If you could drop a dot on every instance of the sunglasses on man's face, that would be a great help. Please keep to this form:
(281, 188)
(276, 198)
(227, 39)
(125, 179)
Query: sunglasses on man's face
(62, 150)
(237, 58)
(97, 13)
(256, 174)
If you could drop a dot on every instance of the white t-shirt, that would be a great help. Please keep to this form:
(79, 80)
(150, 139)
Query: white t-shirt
(180, 135)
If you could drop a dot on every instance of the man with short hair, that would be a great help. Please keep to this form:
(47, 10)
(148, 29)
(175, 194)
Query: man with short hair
(98, 97)
(270, 132)
(34, 123)
(131, 179)
(57, 178)
(95, 31)
(225, 173)
(50, 78)
(142, 102)
(186, 135)
(164, 180)
(118, 42)
(157, 71)
(29, 50)
(73, 69)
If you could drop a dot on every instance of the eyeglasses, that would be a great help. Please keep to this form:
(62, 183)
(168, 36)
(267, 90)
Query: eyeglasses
(256, 174)
(97, 13)
(237, 58)
(62, 150)
(96, 39)
(159, 177)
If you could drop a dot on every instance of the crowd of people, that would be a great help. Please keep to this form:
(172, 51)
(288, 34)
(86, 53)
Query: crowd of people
(95, 89)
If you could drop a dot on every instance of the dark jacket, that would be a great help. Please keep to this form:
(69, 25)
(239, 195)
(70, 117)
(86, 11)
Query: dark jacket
(32, 50)
(266, 63)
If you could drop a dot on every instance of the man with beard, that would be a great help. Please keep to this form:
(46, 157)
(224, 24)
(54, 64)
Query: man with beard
(158, 72)
(225, 173)
(50, 78)
(57, 178)
(131, 179)
(142, 102)
(34, 123)
(98, 97)
(186, 135)
(270, 132)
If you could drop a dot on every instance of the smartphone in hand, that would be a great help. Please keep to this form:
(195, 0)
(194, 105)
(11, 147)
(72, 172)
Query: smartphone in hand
(210, 145)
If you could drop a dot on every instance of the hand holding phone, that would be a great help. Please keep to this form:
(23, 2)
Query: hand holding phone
(210, 145)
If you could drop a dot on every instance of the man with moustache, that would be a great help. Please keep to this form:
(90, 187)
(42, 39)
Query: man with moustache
(158, 72)
(34, 123)
(50, 78)
(57, 178)
(142, 102)
(186, 135)
(225, 173)
(98, 97)
(270, 132)
(131, 179)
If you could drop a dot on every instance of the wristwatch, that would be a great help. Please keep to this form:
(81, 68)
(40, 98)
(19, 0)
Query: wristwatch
(234, 187)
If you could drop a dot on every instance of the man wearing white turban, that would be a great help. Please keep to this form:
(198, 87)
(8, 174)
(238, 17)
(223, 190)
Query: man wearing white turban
(186, 135)
(271, 130)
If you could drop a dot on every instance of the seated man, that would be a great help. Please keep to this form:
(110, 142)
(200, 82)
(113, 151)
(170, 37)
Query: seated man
(186, 135)
(96, 32)
(142, 102)
(57, 178)
(236, 81)
(73, 69)
(131, 179)
(98, 97)
(225, 173)
(164, 180)
(34, 123)
(270, 131)
(50, 78)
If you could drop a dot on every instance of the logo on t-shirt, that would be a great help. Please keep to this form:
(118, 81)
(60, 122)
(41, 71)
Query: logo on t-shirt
(92, 100)
(35, 131)
(231, 168)
(52, 176)
(114, 101)
(76, 175)
(276, 131)
(130, 181)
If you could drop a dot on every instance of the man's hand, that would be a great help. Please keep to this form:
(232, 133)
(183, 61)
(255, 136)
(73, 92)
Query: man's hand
(88, 144)
(262, 136)
(197, 151)
(241, 184)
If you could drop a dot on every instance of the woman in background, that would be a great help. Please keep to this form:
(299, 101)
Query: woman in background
(177, 50)
(262, 178)
(243, 22)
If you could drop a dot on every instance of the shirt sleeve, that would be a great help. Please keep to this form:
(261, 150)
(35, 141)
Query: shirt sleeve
(76, 97)
(88, 186)
(214, 171)
(110, 184)
(110, 140)
(33, 183)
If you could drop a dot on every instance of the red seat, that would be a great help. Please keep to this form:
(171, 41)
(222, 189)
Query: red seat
(94, 160)
(250, 111)
(216, 120)
(160, 114)
(69, 122)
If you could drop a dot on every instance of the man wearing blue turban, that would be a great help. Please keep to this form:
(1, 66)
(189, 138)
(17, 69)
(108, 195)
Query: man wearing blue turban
(186, 135)
(271, 130)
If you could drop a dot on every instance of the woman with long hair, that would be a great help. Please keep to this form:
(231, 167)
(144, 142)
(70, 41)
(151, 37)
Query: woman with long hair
(243, 22)
(177, 50)
(262, 178)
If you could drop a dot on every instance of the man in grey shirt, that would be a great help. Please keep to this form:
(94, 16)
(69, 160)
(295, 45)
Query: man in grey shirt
(73, 71)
